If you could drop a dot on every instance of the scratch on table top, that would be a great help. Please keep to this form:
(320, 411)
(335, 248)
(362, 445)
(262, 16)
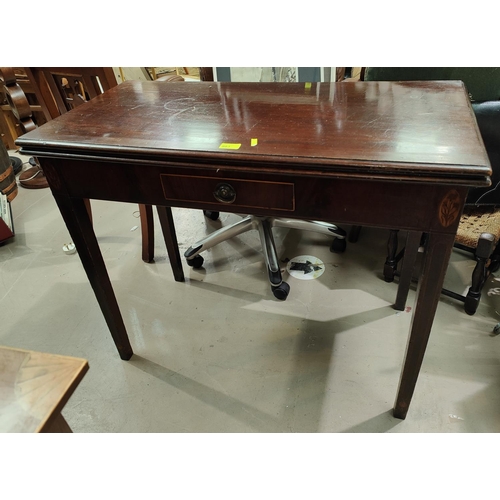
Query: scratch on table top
(181, 111)
(176, 101)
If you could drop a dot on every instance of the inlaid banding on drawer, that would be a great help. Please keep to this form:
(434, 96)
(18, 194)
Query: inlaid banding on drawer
(249, 193)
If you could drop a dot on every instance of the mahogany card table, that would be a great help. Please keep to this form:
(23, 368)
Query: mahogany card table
(396, 155)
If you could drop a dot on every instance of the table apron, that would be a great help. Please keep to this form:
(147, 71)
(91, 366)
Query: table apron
(423, 206)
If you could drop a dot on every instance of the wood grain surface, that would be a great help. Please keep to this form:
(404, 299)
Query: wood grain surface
(405, 127)
(34, 387)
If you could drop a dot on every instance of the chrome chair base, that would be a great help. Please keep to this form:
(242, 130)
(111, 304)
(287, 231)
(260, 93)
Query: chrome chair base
(264, 226)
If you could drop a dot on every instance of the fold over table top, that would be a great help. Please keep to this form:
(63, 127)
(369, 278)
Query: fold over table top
(408, 130)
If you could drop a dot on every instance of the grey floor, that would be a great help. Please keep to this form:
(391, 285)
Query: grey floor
(219, 354)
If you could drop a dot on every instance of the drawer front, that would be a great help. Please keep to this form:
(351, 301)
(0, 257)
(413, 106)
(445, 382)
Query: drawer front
(229, 192)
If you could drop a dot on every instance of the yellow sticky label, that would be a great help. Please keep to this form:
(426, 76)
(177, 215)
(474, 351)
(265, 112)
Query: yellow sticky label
(308, 85)
(253, 142)
(230, 145)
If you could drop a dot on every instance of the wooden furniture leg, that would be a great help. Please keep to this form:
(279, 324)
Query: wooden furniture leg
(89, 208)
(436, 257)
(354, 234)
(168, 228)
(76, 217)
(410, 255)
(59, 425)
(391, 262)
(480, 274)
(147, 230)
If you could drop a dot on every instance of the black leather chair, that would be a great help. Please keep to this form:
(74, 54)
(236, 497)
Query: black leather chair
(479, 231)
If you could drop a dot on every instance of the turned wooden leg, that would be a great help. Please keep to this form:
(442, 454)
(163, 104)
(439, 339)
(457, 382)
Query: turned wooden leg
(479, 275)
(148, 234)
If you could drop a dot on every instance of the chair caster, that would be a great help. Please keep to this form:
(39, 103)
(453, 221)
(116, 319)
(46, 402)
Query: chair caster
(211, 215)
(281, 291)
(338, 245)
(195, 262)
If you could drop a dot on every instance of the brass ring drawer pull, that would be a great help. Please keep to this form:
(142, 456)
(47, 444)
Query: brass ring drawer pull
(225, 193)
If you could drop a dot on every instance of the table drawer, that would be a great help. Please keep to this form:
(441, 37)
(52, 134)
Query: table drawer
(229, 191)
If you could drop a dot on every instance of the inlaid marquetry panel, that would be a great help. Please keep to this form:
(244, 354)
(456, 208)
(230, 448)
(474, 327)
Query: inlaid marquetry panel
(34, 387)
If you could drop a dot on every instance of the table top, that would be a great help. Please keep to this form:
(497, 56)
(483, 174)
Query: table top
(374, 128)
(34, 387)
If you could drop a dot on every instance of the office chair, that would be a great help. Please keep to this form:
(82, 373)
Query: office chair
(479, 229)
(264, 226)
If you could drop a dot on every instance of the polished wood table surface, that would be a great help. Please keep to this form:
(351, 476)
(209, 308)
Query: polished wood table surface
(399, 155)
(34, 387)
